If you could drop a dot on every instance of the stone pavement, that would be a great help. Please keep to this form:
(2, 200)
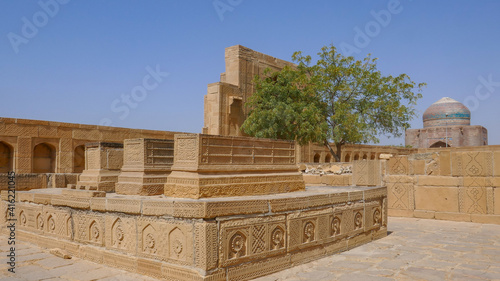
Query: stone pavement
(416, 249)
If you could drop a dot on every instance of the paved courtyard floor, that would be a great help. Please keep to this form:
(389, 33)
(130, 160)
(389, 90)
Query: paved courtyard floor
(415, 249)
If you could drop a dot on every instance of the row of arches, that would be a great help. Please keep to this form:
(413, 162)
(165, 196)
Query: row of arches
(357, 156)
(44, 158)
(347, 157)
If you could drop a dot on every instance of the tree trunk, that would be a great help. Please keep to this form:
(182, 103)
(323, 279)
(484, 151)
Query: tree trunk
(335, 155)
(339, 149)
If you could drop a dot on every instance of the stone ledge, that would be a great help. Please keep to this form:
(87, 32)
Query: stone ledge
(313, 197)
(206, 239)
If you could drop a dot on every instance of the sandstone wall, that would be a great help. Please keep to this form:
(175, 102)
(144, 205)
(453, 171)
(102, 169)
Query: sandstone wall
(314, 153)
(452, 184)
(225, 101)
(28, 146)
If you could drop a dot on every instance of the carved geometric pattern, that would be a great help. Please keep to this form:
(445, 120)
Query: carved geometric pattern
(22, 218)
(237, 245)
(377, 217)
(206, 248)
(118, 236)
(472, 166)
(258, 238)
(358, 220)
(335, 226)
(461, 199)
(39, 221)
(366, 172)
(309, 232)
(323, 228)
(489, 200)
(177, 244)
(51, 224)
(149, 240)
(384, 212)
(457, 164)
(186, 149)
(277, 238)
(294, 235)
(400, 193)
(348, 218)
(475, 194)
(398, 166)
(95, 232)
(361, 173)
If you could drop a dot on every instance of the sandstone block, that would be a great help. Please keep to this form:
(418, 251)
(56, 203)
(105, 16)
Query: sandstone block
(231, 166)
(451, 216)
(492, 219)
(312, 179)
(445, 163)
(367, 173)
(496, 192)
(82, 193)
(440, 199)
(437, 181)
(418, 167)
(400, 213)
(496, 163)
(399, 179)
(398, 166)
(400, 196)
(424, 214)
(473, 200)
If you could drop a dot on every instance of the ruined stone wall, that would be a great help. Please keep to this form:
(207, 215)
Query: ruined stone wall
(315, 153)
(225, 100)
(452, 184)
(54, 147)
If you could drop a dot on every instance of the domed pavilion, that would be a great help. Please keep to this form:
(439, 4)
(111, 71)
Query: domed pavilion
(447, 124)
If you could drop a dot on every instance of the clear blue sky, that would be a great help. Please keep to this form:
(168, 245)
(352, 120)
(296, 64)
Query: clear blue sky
(75, 60)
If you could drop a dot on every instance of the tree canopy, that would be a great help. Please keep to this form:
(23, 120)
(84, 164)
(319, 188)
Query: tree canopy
(337, 100)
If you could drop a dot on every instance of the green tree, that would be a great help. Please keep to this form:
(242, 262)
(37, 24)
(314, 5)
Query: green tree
(338, 100)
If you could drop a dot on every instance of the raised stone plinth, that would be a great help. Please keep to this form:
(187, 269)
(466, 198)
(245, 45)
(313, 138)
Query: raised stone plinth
(102, 166)
(147, 163)
(217, 166)
(232, 238)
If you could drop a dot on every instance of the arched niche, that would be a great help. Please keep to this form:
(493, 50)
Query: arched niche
(44, 158)
(6, 159)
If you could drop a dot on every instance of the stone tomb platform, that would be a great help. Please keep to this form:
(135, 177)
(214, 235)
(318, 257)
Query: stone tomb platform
(231, 238)
(102, 166)
(208, 166)
(146, 165)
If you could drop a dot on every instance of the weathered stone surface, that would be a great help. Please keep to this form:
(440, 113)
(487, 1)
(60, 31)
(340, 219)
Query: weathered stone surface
(437, 181)
(441, 199)
(147, 163)
(367, 173)
(214, 166)
(240, 237)
(103, 163)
